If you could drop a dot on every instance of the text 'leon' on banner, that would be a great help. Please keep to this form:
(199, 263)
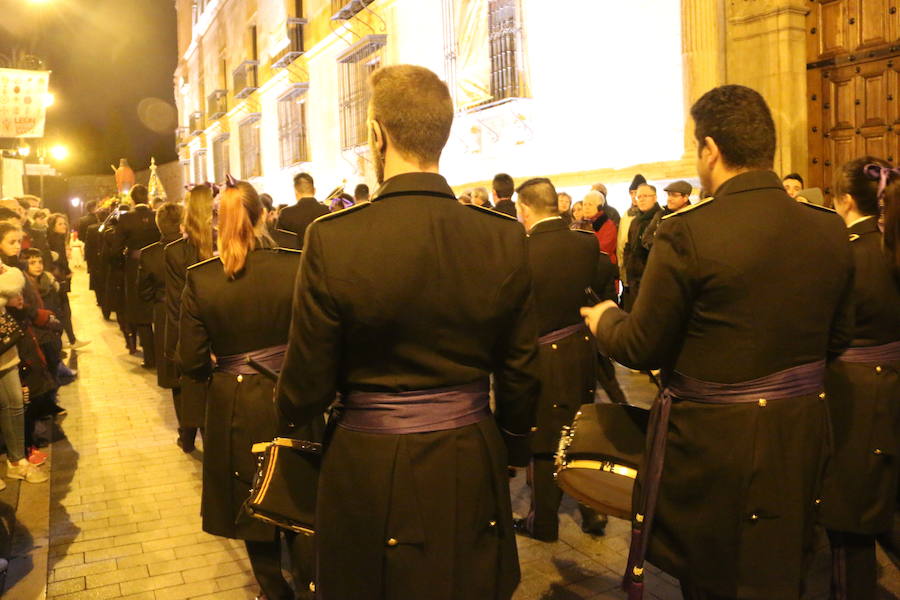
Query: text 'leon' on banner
(23, 106)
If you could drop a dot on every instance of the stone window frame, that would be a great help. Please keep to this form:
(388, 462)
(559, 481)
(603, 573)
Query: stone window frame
(293, 131)
(250, 146)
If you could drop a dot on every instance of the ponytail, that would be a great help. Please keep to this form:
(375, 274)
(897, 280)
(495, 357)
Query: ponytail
(240, 212)
(891, 218)
(875, 187)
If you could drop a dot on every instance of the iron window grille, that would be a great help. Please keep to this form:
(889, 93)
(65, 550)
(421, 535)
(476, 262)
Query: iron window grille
(196, 123)
(355, 67)
(344, 10)
(199, 159)
(251, 160)
(217, 104)
(505, 38)
(221, 159)
(292, 132)
(245, 79)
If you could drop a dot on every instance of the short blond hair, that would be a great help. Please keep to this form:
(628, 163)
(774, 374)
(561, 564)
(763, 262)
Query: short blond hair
(414, 108)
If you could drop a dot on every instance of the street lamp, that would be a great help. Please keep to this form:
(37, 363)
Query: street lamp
(24, 150)
(59, 152)
(49, 99)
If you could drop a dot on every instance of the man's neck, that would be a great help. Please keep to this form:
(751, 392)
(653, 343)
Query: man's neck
(395, 164)
(853, 217)
(724, 174)
(541, 219)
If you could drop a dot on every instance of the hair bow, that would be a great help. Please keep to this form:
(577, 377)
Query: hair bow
(230, 181)
(882, 175)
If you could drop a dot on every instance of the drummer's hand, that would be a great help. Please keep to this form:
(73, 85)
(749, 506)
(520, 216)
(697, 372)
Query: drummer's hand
(592, 314)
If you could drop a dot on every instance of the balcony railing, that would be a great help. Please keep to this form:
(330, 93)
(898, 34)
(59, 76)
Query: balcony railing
(197, 124)
(245, 79)
(181, 137)
(217, 104)
(294, 48)
(344, 10)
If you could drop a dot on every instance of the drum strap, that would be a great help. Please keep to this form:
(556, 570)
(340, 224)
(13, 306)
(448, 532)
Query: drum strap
(561, 334)
(789, 383)
(872, 354)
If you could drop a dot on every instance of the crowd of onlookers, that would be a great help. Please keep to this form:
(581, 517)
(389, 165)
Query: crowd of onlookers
(37, 330)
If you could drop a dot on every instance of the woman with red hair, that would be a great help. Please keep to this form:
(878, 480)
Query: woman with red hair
(237, 306)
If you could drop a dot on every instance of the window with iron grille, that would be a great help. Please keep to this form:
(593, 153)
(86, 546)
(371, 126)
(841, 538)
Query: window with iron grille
(221, 159)
(199, 159)
(292, 127)
(251, 163)
(355, 68)
(505, 38)
(186, 172)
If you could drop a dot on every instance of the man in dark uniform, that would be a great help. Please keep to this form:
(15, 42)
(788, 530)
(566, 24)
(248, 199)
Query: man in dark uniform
(566, 353)
(136, 230)
(742, 422)
(413, 497)
(89, 218)
(503, 190)
(93, 258)
(297, 218)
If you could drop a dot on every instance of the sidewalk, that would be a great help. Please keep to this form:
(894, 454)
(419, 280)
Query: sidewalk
(120, 517)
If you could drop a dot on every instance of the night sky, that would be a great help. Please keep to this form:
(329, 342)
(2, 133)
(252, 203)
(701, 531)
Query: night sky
(112, 63)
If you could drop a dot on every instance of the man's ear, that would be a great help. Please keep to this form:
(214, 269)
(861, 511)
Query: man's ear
(714, 155)
(378, 136)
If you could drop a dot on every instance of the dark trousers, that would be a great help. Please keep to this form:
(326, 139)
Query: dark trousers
(854, 573)
(266, 561)
(66, 317)
(691, 592)
(606, 376)
(186, 435)
(546, 496)
(145, 334)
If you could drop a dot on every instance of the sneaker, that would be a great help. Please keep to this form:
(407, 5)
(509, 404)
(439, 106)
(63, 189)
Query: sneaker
(25, 471)
(80, 344)
(36, 457)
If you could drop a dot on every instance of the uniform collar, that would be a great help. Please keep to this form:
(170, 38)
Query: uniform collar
(548, 224)
(750, 181)
(307, 200)
(865, 225)
(411, 183)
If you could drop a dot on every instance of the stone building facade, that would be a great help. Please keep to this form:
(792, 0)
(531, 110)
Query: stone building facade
(579, 91)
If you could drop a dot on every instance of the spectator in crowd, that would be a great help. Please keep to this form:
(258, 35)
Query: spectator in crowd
(678, 197)
(271, 213)
(578, 221)
(622, 237)
(793, 184)
(564, 202)
(237, 306)
(297, 218)
(635, 252)
(465, 197)
(58, 242)
(601, 225)
(361, 193)
(503, 190)
(481, 197)
(608, 208)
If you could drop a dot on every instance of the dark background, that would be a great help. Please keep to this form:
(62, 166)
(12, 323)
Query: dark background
(112, 64)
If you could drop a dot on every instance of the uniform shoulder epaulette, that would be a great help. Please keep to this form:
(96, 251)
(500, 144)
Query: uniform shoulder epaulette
(178, 241)
(688, 209)
(291, 250)
(818, 207)
(285, 231)
(491, 211)
(148, 246)
(583, 231)
(203, 262)
(854, 237)
(344, 211)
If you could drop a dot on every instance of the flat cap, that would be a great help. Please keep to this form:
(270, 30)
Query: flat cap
(680, 187)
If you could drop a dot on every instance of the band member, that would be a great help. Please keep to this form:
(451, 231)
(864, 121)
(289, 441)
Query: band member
(152, 287)
(195, 245)
(238, 306)
(863, 386)
(137, 229)
(566, 354)
(414, 493)
(742, 421)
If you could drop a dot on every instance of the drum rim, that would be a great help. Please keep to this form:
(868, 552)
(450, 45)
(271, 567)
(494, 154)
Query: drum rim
(599, 465)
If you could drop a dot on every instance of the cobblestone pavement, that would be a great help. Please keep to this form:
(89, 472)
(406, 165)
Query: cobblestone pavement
(124, 502)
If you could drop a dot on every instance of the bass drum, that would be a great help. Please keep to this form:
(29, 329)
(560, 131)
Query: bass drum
(599, 456)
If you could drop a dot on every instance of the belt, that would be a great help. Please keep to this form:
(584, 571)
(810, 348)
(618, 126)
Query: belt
(418, 411)
(789, 383)
(560, 334)
(872, 354)
(236, 364)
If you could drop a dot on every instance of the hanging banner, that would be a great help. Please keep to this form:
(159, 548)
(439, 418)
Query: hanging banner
(23, 108)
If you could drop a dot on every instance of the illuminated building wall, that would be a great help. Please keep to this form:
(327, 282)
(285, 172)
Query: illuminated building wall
(599, 91)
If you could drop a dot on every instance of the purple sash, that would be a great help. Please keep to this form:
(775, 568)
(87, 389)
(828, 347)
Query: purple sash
(417, 411)
(789, 383)
(872, 354)
(236, 364)
(560, 334)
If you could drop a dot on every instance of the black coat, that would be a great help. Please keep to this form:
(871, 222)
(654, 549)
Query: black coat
(83, 223)
(864, 400)
(92, 256)
(114, 260)
(227, 317)
(507, 207)
(728, 297)
(137, 229)
(297, 218)
(286, 239)
(564, 263)
(391, 298)
(152, 289)
(179, 255)
(636, 253)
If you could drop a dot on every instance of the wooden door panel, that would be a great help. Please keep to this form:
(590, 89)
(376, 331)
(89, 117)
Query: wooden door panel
(872, 23)
(872, 95)
(834, 29)
(874, 142)
(839, 99)
(817, 131)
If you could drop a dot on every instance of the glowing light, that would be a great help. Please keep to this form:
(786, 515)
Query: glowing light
(59, 152)
(39, 1)
(76, 202)
(24, 150)
(49, 100)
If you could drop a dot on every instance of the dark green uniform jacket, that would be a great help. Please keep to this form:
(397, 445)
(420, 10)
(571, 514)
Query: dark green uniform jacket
(737, 288)
(415, 291)
(864, 399)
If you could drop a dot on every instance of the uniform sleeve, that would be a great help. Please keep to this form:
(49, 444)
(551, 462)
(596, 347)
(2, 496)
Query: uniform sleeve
(516, 384)
(146, 281)
(308, 381)
(604, 284)
(174, 288)
(644, 338)
(193, 348)
(842, 325)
